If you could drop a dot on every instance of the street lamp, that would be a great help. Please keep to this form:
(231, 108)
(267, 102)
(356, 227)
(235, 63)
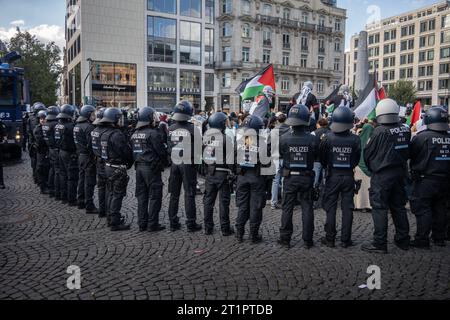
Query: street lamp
(89, 73)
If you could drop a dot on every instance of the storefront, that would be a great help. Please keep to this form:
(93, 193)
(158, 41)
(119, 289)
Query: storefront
(114, 84)
(162, 88)
(190, 90)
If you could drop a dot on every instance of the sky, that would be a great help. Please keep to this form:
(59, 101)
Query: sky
(45, 18)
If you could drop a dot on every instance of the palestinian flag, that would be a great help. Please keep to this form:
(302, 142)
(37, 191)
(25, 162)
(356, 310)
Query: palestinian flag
(329, 100)
(381, 95)
(415, 115)
(367, 100)
(251, 88)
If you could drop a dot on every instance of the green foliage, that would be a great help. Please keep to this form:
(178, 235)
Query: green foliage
(403, 92)
(41, 64)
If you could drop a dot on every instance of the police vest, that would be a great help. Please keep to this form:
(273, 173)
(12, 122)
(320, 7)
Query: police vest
(48, 131)
(341, 152)
(80, 138)
(299, 155)
(59, 133)
(140, 145)
(96, 135)
(215, 152)
(248, 153)
(67, 143)
(105, 145)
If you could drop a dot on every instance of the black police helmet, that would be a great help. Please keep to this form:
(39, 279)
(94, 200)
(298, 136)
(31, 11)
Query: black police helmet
(436, 119)
(85, 113)
(253, 122)
(67, 112)
(99, 116)
(299, 115)
(146, 117)
(42, 114)
(52, 113)
(183, 111)
(342, 120)
(112, 115)
(38, 106)
(218, 121)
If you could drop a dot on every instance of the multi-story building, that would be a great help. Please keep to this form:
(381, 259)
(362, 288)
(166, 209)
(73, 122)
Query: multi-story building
(413, 46)
(304, 39)
(140, 52)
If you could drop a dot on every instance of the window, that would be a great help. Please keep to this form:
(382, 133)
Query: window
(246, 31)
(445, 53)
(162, 39)
(190, 43)
(166, 6)
(304, 42)
(320, 63)
(209, 48)
(191, 8)
(245, 54)
(410, 44)
(387, 36)
(305, 16)
(320, 87)
(337, 45)
(445, 21)
(285, 84)
(286, 41)
(286, 14)
(226, 6)
(421, 85)
(285, 59)
(444, 68)
(245, 5)
(430, 55)
(267, 10)
(209, 82)
(445, 37)
(226, 54)
(162, 87)
(266, 56)
(321, 45)
(267, 37)
(393, 47)
(209, 11)
(409, 73)
(303, 60)
(337, 25)
(444, 84)
(322, 21)
(337, 63)
(226, 80)
(429, 85)
(356, 43)
(403, 45)
(226, 29)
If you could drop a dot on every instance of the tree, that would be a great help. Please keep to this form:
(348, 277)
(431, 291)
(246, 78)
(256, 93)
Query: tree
(403, 92)
(41, 63)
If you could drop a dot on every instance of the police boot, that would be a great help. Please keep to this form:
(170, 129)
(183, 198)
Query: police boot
(44, 191)
(157, 228)
(91, 209)
(194, 228)
(328, 243)
(175, 227)
(371, 248)
(240, 235)
(284, 243)
(255, 236)
(420, 244)
(228, 232)
(81, 206)
(120, 226)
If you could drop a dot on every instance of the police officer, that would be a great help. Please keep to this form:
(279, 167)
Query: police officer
(298, 150)
(42, 153)
(68, 160)
(340, 152)
(219, 159)
(118, 156)
(151, 157)
(100, 163)
(86, 159)
(430, 169)
(33, 121)
(386, 156)
(251, 183)
(48, 131)
(183, 170)
(3, 135)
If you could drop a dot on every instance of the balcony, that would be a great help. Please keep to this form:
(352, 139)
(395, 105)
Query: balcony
(227, 65)
(267, 43)
(321, 50)
(286, 46)
(268, 19)
(307, 26)
(324, 29)
(289, 23)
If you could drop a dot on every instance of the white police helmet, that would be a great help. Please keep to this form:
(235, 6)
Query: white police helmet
(387, 112)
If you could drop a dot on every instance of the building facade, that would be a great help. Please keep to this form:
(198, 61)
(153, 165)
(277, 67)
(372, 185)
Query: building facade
(303, 39)
(140, 52)
(414, 46)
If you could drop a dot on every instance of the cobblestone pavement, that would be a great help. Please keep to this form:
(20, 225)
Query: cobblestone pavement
(40, 238)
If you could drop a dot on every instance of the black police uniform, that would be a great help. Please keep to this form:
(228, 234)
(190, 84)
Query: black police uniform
(118, 156)
(220, 168)
(48, 131)
(339, 154)
(151, 157)
(251, 186)
(86, 165)
(182, 174)
(3, 134)
(42, 158)
(430, 167)
(68, 161)
(298, 150)
(96, 135)
(31, 125)
(386, 156)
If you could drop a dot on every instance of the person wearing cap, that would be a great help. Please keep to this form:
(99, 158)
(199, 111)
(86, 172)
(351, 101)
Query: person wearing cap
(86, 159)
(68, 160)
(340, 152)
(151, 157)
(183, 170)
(430, 170)
(42, 153)
(48, 131)
(386, 155)
(298, 150)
